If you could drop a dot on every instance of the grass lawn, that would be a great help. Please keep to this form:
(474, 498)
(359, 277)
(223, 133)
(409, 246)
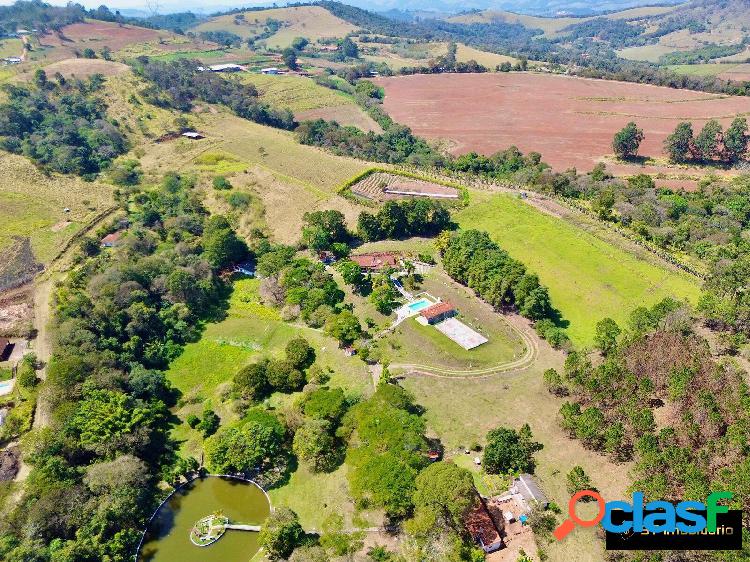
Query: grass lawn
(588, 278)
(249, 331)
(411, 342)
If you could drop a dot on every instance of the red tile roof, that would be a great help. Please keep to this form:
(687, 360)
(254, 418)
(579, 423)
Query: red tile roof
(376, 260)
(112, 238)
(480, 525)
(437, 309)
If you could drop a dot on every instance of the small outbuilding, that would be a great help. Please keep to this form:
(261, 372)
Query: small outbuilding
(526, 486)
(193, 135)
(111, 240)
(228, 67)
(270, 70)
(438, 312)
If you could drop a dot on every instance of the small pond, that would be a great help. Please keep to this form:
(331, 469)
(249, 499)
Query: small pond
(168, 537)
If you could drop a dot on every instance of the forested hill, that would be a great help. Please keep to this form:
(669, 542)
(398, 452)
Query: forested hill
(35, 14)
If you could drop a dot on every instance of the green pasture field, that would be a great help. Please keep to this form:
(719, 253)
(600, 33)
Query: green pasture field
(296, 92)
(708, 69)
(11, 47)
(588, 278)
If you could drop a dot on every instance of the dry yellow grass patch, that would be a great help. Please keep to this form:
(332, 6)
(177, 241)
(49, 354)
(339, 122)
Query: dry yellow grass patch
(33, 205)
(312, 22)
(83, 68)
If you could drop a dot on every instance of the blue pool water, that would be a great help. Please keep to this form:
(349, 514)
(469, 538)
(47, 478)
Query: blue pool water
(416, 306)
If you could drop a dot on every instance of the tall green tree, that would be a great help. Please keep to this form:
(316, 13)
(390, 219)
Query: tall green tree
(509, 450)
(736, 140)
(280, 534)
(447, 489)
(245, 446)
(679, 144)
(627, 141)
(708, 142)
(606, 335)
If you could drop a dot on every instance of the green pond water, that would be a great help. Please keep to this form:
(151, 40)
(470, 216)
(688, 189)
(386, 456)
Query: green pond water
(168, 537)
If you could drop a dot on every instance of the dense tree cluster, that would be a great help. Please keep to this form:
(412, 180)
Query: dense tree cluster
(402, 219)
(302, 287)
(221, 37)
(473, 259)
(35, 14)
(710, 144)
(395, 145)
(315, 442)
(499, 165)
(257, 381)
(179, 84)
(121, 316)
(657, 364)
(61, 124)
(703, 54)
(387, 449)
(444, 495)
(249, 446)
(326, 230)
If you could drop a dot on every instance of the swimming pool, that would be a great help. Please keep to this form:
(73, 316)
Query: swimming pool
(421, 304)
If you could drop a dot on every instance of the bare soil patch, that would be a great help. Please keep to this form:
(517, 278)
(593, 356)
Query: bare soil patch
(16, 311)
(9, 463)
(97, 34)
(83, 68)
(569, 120)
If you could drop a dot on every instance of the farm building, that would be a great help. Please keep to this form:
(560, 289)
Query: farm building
(111, 240)
(227, 67)
(377, 261)
(482, 527)
(12, 60)
(438, 312)
(193, 135)
(529, 490)
(270, 70)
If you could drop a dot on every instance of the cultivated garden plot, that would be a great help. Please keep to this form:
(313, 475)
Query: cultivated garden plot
(382, 186)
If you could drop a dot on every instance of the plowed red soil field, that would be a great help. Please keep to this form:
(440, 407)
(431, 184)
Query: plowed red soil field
(97, 34)
(570, 121)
